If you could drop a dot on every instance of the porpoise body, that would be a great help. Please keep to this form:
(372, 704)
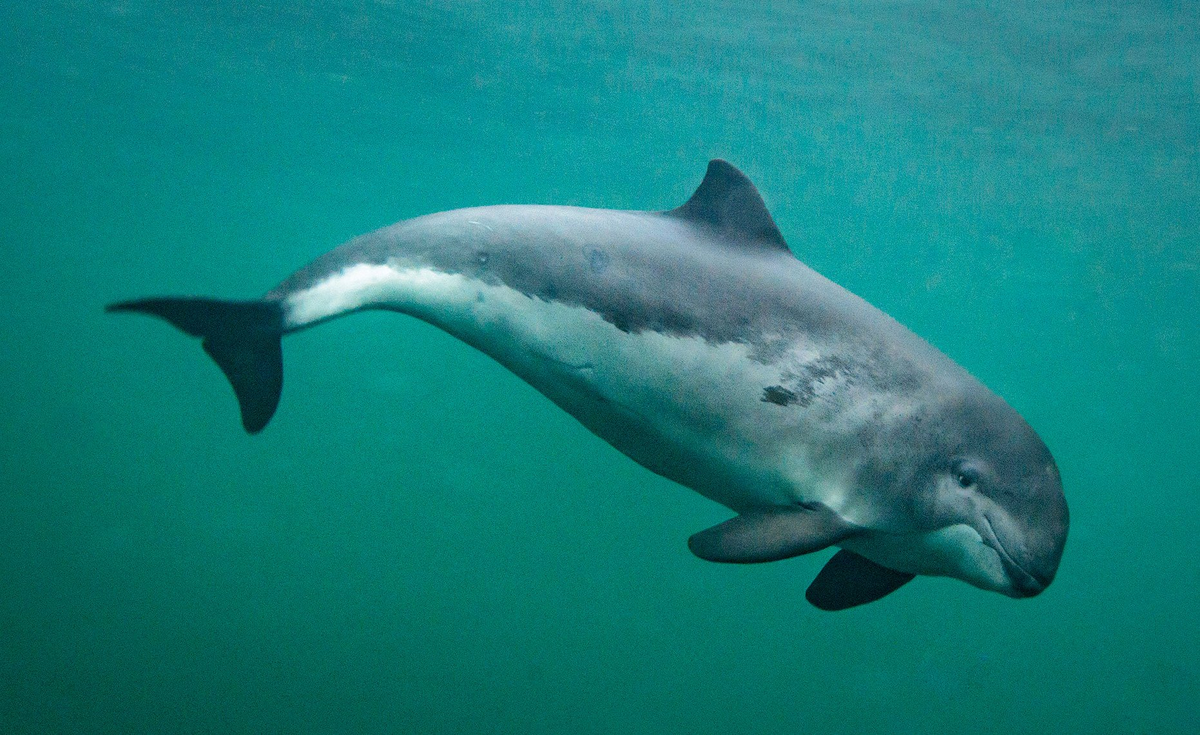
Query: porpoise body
(694, 342)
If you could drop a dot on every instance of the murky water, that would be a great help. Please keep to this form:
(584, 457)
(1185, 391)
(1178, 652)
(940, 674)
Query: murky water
(420, 542)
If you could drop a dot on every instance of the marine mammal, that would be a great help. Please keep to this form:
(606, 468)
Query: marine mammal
(694, 342)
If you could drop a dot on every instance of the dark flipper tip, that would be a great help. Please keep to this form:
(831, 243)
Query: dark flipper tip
(849, 580)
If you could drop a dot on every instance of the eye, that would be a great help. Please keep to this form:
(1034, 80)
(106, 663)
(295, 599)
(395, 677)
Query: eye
(966, 477)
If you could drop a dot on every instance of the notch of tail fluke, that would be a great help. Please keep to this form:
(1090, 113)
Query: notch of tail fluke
(242, 337)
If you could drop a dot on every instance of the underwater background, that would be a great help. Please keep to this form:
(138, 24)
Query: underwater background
(420, 543)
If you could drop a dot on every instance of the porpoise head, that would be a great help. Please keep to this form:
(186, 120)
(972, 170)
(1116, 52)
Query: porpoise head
(984, 493)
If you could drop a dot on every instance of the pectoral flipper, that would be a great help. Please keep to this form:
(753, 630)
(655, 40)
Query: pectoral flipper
(771, 534)
(849, 580)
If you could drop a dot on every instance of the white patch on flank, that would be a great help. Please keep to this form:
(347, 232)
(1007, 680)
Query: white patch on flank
(352, 288)
(689, 409)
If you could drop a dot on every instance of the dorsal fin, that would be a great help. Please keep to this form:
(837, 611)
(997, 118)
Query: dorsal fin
(727, 201)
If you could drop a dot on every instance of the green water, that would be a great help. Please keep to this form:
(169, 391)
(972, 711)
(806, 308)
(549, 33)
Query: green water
(420, 543)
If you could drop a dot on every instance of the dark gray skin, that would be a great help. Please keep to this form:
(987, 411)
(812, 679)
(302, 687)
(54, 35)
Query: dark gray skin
(973, 458)
(695, 343)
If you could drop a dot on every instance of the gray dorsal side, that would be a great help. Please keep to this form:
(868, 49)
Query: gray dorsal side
(727, 201)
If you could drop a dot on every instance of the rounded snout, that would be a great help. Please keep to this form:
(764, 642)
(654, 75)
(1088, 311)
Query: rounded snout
(1025, 583)
(1030, 543)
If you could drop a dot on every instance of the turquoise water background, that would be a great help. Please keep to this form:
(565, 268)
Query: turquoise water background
(420, 543)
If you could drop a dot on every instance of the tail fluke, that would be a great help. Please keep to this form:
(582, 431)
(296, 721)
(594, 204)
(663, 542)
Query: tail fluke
(242, 337)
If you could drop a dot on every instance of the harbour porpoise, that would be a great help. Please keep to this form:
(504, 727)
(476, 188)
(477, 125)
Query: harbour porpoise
(694, 342)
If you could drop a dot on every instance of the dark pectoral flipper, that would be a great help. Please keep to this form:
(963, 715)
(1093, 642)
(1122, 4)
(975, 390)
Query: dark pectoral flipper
(850, 580)
(242, 337)
(771, 534)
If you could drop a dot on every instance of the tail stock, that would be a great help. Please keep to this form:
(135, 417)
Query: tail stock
(242, 337)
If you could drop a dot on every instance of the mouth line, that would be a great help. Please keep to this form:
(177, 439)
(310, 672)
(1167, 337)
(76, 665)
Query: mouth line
(1025, 582)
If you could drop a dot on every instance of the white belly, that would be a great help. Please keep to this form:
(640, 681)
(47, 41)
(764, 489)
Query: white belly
(954, 551)
(685, 408)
